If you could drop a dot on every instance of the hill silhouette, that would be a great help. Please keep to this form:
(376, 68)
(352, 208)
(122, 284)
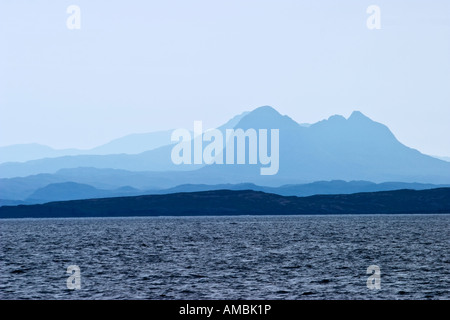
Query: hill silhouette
(77, 191)
(356, 148)
(246, 202)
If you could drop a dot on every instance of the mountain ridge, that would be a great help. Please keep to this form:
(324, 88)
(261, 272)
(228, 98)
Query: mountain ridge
(246, 202)
(64, 191)
(356, 148)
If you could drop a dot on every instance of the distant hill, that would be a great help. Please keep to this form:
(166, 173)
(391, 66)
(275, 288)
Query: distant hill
(20, 188)
(356, 148)
(130, 144)
(32, 151)
(85, 183)
(77, 191)
(136, 152)
(309, 189)
(245, 202)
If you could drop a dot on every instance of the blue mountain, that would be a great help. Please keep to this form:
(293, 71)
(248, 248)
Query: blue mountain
(76, 191)
(136, 152)
(63, 191)
(31, 151)
(130, 144)
(356, 148)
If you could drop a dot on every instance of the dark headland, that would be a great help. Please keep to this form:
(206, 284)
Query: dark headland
(244, 202)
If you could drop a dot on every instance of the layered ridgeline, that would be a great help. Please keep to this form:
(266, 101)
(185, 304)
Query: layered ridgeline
(356, 148)
(76, 191)
(135, 152)
(246, 202)
(130, 144)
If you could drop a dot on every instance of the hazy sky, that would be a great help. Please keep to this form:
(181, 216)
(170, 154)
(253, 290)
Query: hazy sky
(141, 66)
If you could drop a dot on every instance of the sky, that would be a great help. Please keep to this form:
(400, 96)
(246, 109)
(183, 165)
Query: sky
(142, 66)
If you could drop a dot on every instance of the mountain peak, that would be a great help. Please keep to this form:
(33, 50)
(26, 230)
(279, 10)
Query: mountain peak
(265, 111)
(266, 117)
(336, 117)
(358, 115)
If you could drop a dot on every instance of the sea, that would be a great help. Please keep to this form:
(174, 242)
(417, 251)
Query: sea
(246, 257)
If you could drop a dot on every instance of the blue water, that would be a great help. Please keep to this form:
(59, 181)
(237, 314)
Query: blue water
(276, 257)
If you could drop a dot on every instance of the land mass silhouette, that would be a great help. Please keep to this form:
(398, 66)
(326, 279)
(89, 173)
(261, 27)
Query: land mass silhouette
(347, 149)
(244, 202)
